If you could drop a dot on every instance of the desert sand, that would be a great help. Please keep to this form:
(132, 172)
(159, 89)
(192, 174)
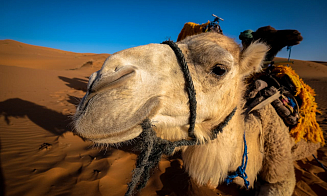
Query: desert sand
(40, 88)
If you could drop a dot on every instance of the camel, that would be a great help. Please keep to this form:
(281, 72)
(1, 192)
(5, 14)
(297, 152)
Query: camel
(275, 39)
(146, 82)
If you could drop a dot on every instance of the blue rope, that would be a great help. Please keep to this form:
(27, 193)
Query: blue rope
(321, 165)
(289, 49)
(240, 171)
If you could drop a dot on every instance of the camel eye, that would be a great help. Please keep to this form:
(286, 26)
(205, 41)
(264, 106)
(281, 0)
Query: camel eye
(219, 70)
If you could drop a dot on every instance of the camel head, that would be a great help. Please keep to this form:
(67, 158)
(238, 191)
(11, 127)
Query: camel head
(146, 82)
(274, 37)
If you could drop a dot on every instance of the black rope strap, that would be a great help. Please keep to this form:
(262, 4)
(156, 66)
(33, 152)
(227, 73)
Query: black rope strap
(223, 124)
(188, 83)
(153, 147)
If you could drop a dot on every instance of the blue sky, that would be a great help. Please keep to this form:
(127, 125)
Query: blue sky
(110, 26)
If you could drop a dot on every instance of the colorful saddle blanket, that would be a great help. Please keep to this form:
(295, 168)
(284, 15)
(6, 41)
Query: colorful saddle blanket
(296, 105)
(191, 28)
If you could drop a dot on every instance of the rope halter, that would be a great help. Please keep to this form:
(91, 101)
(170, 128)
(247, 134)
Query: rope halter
(153, 147)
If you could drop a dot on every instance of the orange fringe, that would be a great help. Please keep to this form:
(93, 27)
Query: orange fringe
(191, 28)
(307, 127)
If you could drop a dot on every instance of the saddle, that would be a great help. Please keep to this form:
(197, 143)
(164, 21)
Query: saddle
(191, 28)
(293, 100)
(268, 88)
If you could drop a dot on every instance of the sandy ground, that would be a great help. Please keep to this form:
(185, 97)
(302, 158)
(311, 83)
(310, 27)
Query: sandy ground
(40, 88)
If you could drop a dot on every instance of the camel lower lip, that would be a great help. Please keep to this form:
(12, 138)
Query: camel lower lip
(120, 137)
(109, 131)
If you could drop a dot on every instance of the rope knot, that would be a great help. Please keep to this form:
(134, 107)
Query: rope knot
(167, 147)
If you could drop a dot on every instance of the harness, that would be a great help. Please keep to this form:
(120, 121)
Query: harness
(280, 92)
(153, 147)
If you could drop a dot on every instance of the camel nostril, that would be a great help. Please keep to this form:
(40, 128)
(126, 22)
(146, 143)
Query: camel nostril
(118, 68)
(113, 79)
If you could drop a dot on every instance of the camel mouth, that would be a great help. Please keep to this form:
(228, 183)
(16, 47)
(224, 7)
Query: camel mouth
(297, 37)
(297, 41)
(103, 127)
(84, 103)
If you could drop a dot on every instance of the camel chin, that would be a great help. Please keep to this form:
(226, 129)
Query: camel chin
(120, 137)
(96, 124)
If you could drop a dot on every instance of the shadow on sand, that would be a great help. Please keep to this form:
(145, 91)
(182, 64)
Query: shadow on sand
(175, 180)
(2, 178)
(76, 83)
(48, 119)
(74, 100)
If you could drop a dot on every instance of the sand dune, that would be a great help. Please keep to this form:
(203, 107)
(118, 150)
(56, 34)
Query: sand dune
(40, 88)
(13, 53)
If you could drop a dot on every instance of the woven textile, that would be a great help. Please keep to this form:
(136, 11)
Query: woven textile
(307, 127)
(191, 28)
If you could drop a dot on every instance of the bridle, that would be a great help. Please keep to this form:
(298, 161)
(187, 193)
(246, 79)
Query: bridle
(189, 85)
(152, 147)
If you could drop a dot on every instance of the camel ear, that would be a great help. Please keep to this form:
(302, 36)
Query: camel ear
(252, 57)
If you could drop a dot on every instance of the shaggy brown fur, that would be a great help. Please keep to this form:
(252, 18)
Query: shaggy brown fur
(146, 82)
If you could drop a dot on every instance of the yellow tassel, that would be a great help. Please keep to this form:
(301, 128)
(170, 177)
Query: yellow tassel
(307, 127)
(191, 28)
